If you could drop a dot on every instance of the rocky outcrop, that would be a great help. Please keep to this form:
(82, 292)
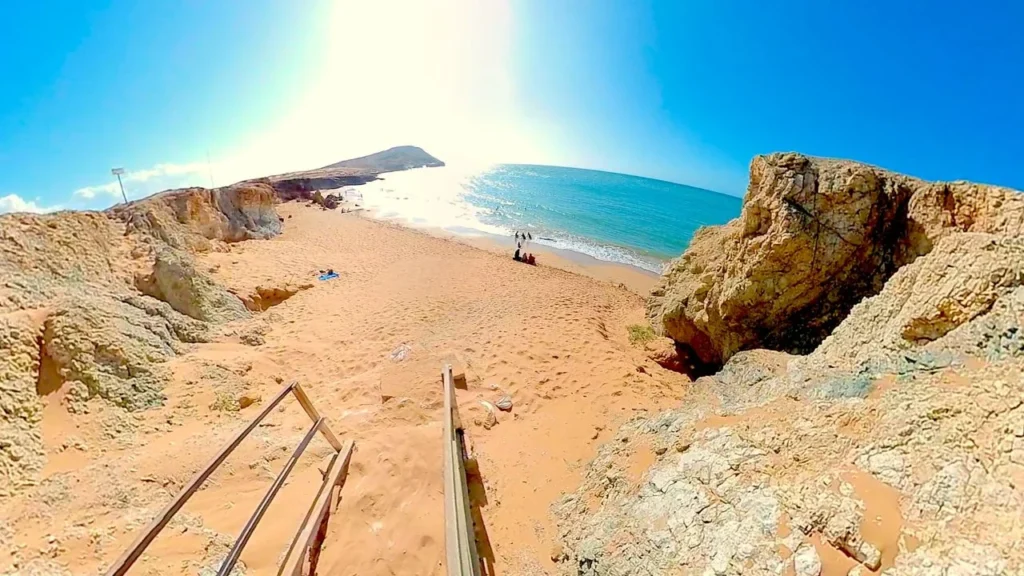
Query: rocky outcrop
(917, 479)
(262, 298)
(958, 281)
(391, 160)
(197, 219)
(894, 446)
(176, 280)
(21, 445)
(354, 172)
(92, 304)
(814, 238)
(111, 347)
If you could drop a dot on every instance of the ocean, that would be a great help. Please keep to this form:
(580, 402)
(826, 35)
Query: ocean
(611, 217)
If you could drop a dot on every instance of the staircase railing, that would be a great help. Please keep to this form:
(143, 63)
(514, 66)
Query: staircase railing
(308, 539)
(460, 539)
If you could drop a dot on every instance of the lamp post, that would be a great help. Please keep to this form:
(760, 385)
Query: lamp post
(117, 172)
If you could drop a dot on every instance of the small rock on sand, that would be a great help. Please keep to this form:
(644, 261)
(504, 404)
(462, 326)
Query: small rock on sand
(504, 403)
(246, 400)
(489, 419)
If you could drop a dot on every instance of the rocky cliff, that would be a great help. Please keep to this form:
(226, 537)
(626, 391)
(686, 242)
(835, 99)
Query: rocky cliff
(814, 238)
(894, 446)
(91, 304)
(353, 172)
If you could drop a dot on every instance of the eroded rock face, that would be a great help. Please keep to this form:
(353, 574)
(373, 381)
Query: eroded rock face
(918, 481)
(895, 446)
(176, 280)
(21, 445)
(958, 281)
(111, 347)
(814, 238)
(196, 219)
(74, 317)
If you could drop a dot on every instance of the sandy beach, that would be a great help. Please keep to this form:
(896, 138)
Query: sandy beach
(368, 347)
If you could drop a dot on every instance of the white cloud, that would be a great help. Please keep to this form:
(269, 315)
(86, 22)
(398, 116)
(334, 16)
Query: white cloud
(90, 192)
(146, 181)
(15, 203)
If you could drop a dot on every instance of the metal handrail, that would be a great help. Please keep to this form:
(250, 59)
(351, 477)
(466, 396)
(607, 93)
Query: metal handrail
(460, 541)
(138, 547)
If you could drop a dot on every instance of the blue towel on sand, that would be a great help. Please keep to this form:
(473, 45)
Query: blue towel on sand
(330, 276)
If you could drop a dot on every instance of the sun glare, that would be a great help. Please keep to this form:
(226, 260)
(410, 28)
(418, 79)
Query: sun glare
(389, 72)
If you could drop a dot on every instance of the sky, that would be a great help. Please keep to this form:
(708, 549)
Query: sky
(194, 92)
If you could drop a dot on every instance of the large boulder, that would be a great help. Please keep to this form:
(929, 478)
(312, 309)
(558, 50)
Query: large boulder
(958, 281)
(815, 237)
(175, 279)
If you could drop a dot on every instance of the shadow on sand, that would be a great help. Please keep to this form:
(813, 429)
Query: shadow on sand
(477, 501)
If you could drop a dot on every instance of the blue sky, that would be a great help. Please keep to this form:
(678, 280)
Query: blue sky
(686, 91)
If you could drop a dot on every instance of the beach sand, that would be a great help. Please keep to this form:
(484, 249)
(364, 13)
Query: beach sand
(368, 347)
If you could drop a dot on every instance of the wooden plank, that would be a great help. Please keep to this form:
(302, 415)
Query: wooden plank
(335, 476)
(257, 515)
(121, 566)
(311, 411)
(460, 541)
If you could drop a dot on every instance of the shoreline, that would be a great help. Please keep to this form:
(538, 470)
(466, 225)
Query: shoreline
(634, 278)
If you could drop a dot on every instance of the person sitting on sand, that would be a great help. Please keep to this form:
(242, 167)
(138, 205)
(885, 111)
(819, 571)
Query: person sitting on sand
(531, 260)
(516, 257)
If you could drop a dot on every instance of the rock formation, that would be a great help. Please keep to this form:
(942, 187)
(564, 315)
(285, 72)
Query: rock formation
(354, 172)
(176, 280)
(814, 238)
(895, 446)
(92, 304)
(196, 218)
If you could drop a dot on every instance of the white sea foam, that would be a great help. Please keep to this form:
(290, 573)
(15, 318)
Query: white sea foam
(427, 197)
(437, 198)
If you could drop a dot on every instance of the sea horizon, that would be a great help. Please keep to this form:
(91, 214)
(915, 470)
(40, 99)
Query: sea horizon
(613, 217)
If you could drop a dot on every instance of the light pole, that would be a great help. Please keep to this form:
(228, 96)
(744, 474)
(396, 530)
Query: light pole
(117, 172)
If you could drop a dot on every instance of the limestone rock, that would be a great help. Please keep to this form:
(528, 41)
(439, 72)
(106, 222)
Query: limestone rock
(960, 279)
(248, 399)
(329, 202)
(196, 218)
(21, 445)
(504, 403)
(262, 298)
(176, 280)
(41, 256)
(71, 319)
(107, 347)
(806, 561)
(814, 237)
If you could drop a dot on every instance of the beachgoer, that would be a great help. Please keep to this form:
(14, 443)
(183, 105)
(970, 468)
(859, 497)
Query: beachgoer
(529, 236)
(516, 257)
(517, 235)
(531, 260)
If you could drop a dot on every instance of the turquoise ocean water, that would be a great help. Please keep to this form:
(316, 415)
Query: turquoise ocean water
(611, 217)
